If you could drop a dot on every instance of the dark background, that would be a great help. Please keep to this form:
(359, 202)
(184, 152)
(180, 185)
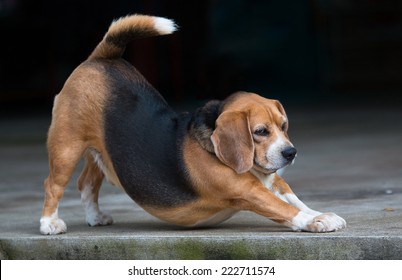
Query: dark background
(317, 53)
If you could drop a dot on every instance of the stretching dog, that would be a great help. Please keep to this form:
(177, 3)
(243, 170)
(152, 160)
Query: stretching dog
(187, 169)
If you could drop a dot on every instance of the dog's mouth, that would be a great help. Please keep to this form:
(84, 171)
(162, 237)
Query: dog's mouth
(257, 166)
(269, 170)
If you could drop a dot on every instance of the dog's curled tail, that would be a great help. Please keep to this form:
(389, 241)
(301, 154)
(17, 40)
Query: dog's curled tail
(128, 28)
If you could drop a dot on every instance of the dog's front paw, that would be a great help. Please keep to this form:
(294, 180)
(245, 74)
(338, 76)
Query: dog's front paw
(321, 223)
(99, 219)
(325, 223)
(51, 226)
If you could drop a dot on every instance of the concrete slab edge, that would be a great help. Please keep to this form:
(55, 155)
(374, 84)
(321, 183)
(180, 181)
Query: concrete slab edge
(295, 248)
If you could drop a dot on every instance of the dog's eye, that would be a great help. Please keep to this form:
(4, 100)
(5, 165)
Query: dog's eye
(262, 131)
(284, 126)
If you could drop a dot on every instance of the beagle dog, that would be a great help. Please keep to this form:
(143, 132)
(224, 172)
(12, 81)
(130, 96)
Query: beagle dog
(190, 169)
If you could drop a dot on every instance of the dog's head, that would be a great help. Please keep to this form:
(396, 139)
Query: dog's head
(251, 132)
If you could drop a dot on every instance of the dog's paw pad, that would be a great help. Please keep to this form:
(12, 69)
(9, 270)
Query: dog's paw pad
(51, 226)
(99, 219)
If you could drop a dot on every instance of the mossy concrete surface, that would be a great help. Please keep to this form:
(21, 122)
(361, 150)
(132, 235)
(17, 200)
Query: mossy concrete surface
(349, 162)
(191, 248)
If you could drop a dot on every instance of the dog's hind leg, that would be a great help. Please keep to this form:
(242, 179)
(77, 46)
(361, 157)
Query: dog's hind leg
(89, 184)
(63, 158)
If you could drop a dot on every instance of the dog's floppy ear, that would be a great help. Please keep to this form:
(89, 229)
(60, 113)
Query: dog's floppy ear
(233, 142)
(280, 107)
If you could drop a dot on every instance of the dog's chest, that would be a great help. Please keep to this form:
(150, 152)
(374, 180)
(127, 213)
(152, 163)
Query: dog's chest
(266, 180)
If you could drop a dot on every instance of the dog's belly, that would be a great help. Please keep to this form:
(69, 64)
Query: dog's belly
(217, 218)
(192, 216)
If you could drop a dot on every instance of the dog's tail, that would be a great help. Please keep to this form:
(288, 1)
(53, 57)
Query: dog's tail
(128, 28)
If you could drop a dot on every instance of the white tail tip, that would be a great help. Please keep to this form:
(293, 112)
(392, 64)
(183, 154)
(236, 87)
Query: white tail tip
(164, 26)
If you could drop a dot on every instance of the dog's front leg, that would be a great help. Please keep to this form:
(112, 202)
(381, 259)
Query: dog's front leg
(321, 221)
(279, 203)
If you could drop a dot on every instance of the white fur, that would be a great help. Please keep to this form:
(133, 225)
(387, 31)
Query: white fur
(292, 199)
(326, 222)
(266, 180)
(94, 216)
(52, 225)
(274, 153)
(99, 162)
(307, 219)
(301, 220)
(164, 26)
(295, 201)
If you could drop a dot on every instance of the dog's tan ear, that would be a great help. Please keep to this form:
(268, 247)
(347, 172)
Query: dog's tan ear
(233, 142)
(280, 107)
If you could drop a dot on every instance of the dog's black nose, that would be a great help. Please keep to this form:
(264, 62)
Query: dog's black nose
(289, 153)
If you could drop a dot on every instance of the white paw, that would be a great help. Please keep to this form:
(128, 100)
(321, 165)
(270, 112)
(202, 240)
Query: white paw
(50, 226)
(99, 219)
(325, 223)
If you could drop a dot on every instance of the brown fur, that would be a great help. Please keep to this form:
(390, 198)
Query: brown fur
(223, 161)
(220, 186)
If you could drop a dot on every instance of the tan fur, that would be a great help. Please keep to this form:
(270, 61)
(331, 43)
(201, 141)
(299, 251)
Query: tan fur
(121, 32)
(220, 186)
(76, 125)
(226, 166)
(233, 142)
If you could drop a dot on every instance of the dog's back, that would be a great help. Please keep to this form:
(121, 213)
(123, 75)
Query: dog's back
(143, 137)
(108, 113)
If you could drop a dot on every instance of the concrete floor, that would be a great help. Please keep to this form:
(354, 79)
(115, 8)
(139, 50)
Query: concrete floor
(349, 162)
